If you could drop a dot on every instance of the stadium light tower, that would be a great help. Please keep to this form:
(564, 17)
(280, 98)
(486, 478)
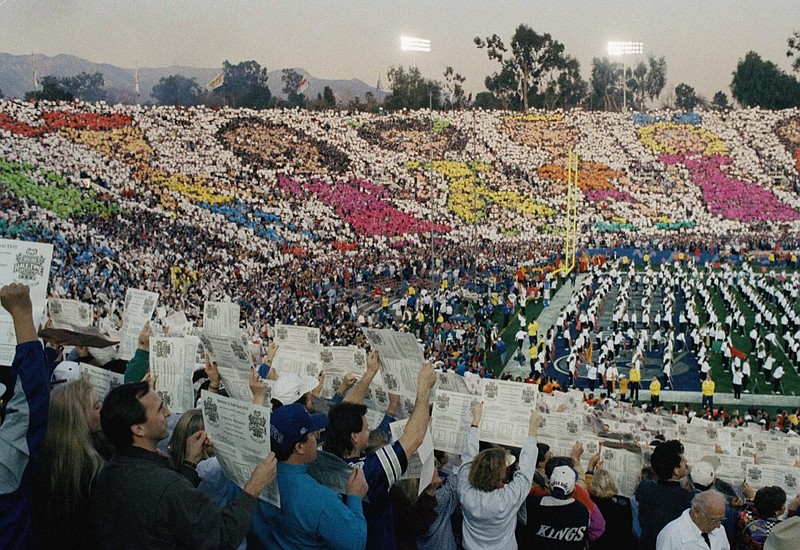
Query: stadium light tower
(621, 49)
(411, 44)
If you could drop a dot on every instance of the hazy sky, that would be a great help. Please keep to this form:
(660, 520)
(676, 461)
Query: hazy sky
(702, 40)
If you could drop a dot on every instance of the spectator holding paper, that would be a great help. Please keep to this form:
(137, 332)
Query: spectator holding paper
(161, 504)
(310, 515)
(490, 508)
(348, 437)
(558, 520)
(139, 364)
(23, 429)
(664, 500)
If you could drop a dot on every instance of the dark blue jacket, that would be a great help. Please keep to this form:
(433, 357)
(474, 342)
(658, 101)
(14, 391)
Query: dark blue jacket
(21, 440)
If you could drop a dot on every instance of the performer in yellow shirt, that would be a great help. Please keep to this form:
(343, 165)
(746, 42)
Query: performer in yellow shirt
(708, 392)
(635, 377)
(533, 330)
(655, 392)
(623, 387)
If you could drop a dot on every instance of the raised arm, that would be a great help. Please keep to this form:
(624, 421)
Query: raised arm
(257, 387)
(22, 432)
(418, 423)
(472, 443)
(139, 364)
(16, 300)
(357, 394)
(521, 484)
(212, 372)
(527, 457)
(347, 383)
(271, 351)
(577, 453)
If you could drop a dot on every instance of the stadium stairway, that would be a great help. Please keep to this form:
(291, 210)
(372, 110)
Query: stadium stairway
(547, 319)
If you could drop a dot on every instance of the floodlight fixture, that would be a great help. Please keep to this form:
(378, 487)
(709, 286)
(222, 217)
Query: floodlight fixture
(411, 44)
(621, 49)
(616, 49)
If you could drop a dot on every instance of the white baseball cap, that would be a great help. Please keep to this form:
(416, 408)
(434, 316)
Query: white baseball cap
(291, 386)
(703, 473)
(66, 371)
(562, 481)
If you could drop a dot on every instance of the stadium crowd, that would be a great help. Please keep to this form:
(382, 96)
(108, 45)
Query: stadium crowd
(72, 462)
(325, 220)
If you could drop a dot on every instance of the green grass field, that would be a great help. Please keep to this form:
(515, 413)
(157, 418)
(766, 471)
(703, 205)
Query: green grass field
(790, 381)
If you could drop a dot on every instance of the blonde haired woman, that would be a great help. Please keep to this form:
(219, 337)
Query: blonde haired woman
(213, 481)
(489, 507)
(616, 510)
(190, 423)
(68, 467)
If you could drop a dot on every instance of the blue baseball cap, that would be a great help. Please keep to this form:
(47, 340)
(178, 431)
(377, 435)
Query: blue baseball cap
(288, 425)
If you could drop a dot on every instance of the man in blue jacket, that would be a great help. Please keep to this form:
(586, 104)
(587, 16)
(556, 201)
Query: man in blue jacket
(25, 423)
(311, 515)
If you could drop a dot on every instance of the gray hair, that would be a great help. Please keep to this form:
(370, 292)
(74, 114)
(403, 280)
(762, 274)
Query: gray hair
(705, 499)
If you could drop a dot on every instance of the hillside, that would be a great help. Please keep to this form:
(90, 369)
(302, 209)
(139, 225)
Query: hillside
(16, 76)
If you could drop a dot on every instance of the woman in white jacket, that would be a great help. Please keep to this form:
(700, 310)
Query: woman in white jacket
(489, 507)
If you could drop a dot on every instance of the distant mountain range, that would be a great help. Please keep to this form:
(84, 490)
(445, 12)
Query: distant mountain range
(16, 77)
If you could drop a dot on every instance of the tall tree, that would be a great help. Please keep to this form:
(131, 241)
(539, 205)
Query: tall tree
(355, 104)
(762, 83)
(85, 86)
(487, 100)
(410, 90)
(794, 50)
(656, 77)
(635, 80)
(51, 91)
(720, 101)
(646, 80)
(176, 89)
(328, 98)
(291, 87)
(560, 89)
(246, 85)
(371, 103)
(528, 59)
(685, 97)
(455, 96)
(605, 85)
(503, 86)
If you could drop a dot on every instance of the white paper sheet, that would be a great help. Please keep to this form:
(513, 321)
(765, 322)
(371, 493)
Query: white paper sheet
(139, 308)
(173, 361)
(401, 360)
(64, 313)
(240, 434)
(103, 380)
(507, 410)
(451, 419)
(422, 464)
(26, 263)
(233, 362)
(221, 318)
(289, 336)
